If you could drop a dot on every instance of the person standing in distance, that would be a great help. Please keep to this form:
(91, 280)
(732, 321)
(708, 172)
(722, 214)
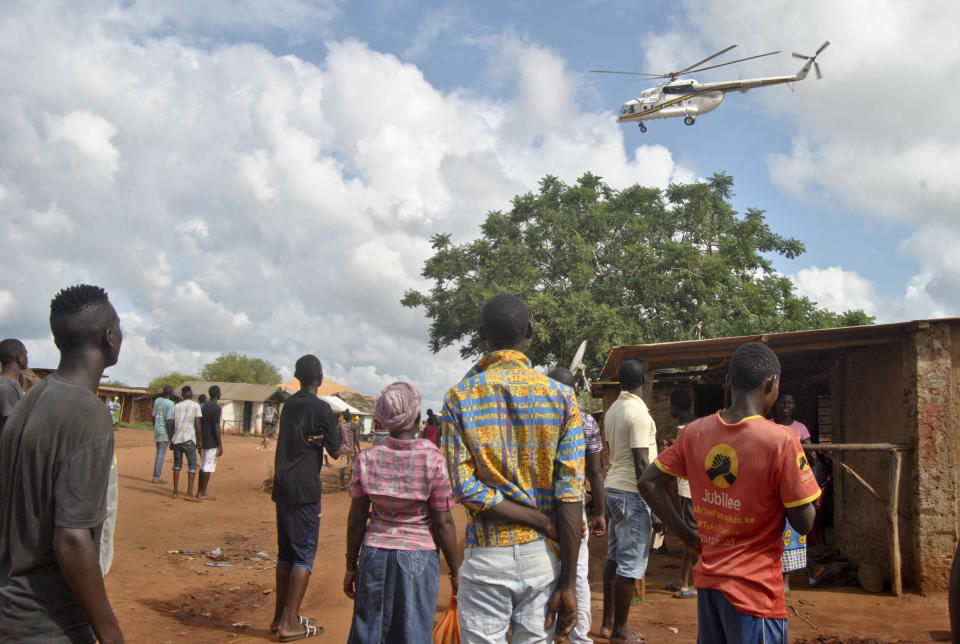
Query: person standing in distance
(186, 426)
(307, 426)
(13, 360)
(211, 441)
(55, 457)
(162, 429)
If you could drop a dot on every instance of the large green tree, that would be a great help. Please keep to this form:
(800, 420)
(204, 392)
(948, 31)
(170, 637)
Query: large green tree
(236, 367)
(619, 267)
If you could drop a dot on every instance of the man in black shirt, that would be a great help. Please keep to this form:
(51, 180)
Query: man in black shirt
(55, 456)
(211, 441)
(307, 427)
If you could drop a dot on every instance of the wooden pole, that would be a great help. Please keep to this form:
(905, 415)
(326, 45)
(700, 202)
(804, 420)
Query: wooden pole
(853, 473)
(896, 581)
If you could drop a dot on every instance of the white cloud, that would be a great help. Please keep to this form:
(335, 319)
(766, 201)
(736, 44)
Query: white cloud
(839, 290)
(231, 199)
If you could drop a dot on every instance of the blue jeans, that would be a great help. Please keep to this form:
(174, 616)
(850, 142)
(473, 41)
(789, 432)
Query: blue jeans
(629, 528)
(396, 596)
(190, 448)
(158, 461)
(718, 622)
(507, 587)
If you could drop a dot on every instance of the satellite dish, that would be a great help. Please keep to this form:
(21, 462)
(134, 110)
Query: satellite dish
(577, 361)
(577, 364)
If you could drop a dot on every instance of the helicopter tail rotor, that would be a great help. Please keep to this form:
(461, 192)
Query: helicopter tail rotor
(813, 59)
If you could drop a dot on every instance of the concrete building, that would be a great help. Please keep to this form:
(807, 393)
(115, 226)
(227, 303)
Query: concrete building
(242, 403)
(890, 393)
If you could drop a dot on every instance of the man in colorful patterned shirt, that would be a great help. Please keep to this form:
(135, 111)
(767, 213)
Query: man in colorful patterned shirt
(515, 451)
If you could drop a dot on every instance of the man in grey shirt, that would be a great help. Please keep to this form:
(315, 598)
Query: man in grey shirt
(13, 360)
(56, 453)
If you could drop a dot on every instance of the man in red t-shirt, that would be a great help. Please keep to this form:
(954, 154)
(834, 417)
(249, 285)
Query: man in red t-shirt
(746, 473)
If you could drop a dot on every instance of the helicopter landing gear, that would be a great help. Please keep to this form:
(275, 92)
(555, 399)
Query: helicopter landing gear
(643, 128)
(689, 120)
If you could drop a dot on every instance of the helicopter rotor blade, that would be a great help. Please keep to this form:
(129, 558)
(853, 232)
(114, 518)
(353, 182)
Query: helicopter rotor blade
(822, 47)
(816, 67)
(697, 64)
(739, 60)
(610, 71)
(796, 55)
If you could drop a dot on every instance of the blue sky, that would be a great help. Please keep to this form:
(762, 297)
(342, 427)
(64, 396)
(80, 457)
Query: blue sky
(264, 177)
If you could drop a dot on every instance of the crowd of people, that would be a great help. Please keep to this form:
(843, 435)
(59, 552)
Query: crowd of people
(511, 445)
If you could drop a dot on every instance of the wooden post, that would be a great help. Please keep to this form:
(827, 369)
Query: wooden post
(896, 581)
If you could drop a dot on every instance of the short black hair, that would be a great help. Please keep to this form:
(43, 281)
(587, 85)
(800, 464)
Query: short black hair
(214, 391)
(185, 390)
(308, 370)
(680, 398)
(751, 364)
(562, 375)
(631, 373)
(202, 398)
(10, 350)
(168, 391)
(79, 315)
(505, 319)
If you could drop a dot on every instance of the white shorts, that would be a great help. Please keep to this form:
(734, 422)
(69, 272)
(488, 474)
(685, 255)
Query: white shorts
(208, 460)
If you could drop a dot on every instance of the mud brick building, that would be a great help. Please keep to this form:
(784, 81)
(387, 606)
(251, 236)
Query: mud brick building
(879, 390)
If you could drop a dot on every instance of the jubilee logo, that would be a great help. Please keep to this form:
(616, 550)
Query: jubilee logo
(722, 465)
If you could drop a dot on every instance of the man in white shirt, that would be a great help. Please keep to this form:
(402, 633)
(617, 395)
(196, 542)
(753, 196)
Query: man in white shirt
(186, 424)
(632, 436)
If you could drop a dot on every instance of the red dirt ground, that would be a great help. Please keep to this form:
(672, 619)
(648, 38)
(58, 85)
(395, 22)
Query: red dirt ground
(161, 596)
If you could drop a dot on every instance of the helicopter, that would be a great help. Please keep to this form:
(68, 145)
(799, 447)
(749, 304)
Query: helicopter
(681, 97)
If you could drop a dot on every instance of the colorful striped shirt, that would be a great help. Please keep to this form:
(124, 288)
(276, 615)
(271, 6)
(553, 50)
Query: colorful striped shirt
(511, 432)
(591, 434)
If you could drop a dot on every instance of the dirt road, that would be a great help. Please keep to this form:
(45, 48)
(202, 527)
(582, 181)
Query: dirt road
(165, 596)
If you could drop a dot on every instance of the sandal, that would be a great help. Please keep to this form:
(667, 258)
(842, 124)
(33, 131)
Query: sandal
(635, 638)
(309, 630)
(303, 621)
(685, 593)
(672, 586)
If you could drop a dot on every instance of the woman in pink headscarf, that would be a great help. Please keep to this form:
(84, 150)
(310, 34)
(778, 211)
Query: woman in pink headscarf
(402, 486)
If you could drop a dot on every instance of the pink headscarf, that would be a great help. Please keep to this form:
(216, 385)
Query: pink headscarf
(398, 405)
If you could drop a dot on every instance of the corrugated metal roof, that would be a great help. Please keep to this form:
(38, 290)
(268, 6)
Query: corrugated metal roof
(241, 391)
(701, 352)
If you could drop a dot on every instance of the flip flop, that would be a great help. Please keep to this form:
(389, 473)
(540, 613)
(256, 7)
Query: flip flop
(309, 630)
(635, 638)
(685, 593)
(672, 586)
(303, 621)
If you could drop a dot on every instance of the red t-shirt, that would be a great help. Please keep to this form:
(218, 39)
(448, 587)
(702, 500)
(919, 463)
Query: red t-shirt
(742, 477)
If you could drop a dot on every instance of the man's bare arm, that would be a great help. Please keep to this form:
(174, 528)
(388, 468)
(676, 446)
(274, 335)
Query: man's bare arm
(563, 602)
(513, 512)
(653, 487)
(802, 517)
(594, 472)
(78, 561)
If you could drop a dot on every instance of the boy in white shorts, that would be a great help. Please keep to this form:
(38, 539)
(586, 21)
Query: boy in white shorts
(211, 443)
